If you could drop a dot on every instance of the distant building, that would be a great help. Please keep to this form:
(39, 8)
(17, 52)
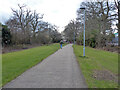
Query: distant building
(115, 40)
(116, 34)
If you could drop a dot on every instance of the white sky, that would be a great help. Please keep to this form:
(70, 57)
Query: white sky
(58, 12)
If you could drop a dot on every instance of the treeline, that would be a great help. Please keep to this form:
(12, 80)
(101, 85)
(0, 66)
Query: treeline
(27, 27)
(99, 19)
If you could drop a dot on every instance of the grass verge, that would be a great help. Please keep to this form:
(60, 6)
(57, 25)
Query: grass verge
(98, 60)
(15, 63)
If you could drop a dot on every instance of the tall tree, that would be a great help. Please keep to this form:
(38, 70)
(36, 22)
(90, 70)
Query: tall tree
(23, 17)
(71, 30)
(35, 22)
(27, 27)
(117, 5)
(99, 16)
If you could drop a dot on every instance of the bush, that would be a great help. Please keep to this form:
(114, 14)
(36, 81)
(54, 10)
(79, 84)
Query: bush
(6, 36)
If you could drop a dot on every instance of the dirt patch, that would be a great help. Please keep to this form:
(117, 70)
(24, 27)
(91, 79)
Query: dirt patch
(110, 48)
(18, 48)
(104, 75)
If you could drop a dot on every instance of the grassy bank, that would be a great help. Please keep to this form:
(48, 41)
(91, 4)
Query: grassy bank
(15, 63)
(100, 68)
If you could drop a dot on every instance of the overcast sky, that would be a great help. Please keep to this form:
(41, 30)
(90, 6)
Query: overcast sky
(58, 12)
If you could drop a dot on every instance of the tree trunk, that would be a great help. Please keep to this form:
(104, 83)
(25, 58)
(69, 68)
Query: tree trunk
(119, 25)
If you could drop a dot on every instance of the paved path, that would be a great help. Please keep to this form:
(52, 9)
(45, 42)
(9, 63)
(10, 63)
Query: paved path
(60, 70)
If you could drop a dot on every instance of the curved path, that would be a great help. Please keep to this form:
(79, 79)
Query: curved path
(59, 70)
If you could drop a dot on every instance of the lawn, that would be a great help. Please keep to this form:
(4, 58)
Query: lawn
(15, 63)
(100, 68)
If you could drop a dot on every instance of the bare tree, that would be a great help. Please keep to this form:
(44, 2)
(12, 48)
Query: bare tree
(27, 27)
(99, 16)
(23, 17)
(35, 22)
(117, 5)
(71, 30)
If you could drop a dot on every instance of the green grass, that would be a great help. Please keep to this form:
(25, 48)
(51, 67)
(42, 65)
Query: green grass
(15, 63)
(97, 60)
